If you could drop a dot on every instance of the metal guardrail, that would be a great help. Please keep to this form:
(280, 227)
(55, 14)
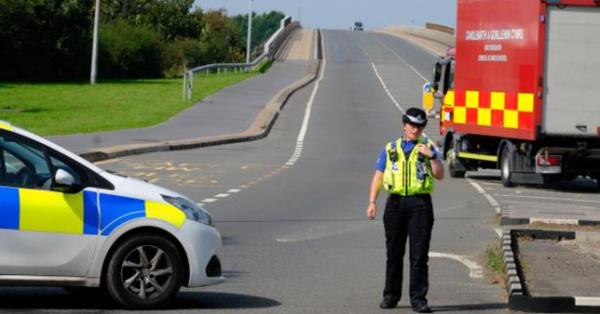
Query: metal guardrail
(269, 49)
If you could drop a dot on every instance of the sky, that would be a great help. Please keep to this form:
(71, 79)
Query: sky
(341, 14)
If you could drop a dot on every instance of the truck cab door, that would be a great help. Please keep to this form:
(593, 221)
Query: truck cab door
(43, 226)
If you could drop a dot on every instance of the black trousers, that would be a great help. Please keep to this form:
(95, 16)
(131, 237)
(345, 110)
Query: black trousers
(412, 217)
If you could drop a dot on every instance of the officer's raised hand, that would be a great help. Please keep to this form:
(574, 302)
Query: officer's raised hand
(425, 150)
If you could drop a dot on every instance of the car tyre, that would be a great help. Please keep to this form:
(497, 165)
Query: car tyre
(145, 271)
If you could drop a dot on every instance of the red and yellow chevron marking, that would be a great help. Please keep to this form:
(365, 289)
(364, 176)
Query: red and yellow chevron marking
(490, 109)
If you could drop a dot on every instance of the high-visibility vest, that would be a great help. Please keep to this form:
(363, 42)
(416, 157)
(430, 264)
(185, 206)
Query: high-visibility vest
(407, 177)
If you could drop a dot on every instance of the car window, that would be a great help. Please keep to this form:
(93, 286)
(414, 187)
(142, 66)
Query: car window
(24, 163)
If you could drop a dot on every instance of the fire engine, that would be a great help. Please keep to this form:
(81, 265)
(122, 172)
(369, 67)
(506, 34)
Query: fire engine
(518, 92)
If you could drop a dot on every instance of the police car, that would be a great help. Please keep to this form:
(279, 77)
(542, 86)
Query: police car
(65, 222)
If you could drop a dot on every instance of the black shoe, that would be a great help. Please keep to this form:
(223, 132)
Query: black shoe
(388, 303)
(422, 308)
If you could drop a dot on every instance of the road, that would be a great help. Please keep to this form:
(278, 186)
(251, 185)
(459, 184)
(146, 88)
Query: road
(291, 207)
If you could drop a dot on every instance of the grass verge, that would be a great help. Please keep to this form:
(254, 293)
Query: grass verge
(68, 108)
(494, 264)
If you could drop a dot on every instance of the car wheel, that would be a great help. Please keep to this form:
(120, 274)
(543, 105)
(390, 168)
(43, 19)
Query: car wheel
(145, 271)
(506, 168)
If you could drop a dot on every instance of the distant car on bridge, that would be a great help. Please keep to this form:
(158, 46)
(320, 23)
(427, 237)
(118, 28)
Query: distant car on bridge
(358, 26)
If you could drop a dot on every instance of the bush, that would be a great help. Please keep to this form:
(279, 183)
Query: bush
(264, 67)
(129, 51)
(183, 54)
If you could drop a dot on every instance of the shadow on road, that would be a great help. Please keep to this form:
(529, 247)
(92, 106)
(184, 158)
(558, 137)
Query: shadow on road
(469, 307)
(12, 299)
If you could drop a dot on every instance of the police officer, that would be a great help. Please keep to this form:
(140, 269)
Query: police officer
(406, 169)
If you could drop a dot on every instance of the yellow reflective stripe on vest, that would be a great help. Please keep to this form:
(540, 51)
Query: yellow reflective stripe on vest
(402, 177)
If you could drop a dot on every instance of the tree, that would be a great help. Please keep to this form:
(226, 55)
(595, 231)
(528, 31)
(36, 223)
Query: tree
(263, 25)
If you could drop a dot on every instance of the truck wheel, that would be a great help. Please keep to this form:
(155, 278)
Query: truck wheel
(144, 272)
(453, 161)
(506, 168)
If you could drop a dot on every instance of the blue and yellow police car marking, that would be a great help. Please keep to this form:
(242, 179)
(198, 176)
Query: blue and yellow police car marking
(49, 211)
(9, 211)
(117, 210)
(5, 126)
(166, 212)
(53, 212)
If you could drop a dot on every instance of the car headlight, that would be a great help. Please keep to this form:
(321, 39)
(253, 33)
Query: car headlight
(192, 211)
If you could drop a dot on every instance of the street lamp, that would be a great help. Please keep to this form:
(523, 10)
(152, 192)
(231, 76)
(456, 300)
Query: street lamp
(95, 44)
(249, 40)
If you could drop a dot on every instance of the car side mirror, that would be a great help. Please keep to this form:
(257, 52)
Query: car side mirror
(65, 182)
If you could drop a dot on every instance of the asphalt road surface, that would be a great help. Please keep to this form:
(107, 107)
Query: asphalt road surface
(291, 207)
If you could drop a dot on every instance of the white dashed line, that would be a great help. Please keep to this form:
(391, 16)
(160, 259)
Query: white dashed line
(222, 195)
(233, 191)
(209, 200)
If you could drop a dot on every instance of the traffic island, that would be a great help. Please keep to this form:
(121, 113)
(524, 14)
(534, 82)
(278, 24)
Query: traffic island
(550, 272)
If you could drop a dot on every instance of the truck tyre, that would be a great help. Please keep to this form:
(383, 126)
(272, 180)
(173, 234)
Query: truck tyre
(506, 168)
(145, 271)
(453, 161)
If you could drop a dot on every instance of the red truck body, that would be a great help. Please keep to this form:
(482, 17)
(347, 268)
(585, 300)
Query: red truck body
(520, 86)
(498, 87)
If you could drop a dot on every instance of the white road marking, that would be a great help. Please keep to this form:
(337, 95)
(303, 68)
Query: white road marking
(302, 134)
(554, 221)
(324, 231)
(209, 200)
(233, 191)
(475, 271)
(489, 198)
(200, 204)
(550, 198)
(499, 232)
(587, 301)
(222, 195)
(447, 209)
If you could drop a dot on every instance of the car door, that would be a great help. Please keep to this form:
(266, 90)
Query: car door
(45, 230)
